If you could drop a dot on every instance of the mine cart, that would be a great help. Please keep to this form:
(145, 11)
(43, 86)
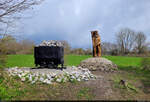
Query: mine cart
(49, 56)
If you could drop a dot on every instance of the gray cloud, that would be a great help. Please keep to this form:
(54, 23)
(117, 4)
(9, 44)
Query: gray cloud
(72, 20)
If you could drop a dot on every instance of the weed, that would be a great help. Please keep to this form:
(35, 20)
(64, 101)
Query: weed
(84, 93)
(132, 87)
(128, 86)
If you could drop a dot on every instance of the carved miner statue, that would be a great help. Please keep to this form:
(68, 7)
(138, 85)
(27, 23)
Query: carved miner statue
(96, 44)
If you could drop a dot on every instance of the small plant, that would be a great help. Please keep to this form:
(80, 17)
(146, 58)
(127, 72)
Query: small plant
(122, 84)
(73, 80)
(62, 80)
(9, 87)
(4, 94)
(1, 78)
(132, 87)
(33, 77)
(84, 93)
(3, 61)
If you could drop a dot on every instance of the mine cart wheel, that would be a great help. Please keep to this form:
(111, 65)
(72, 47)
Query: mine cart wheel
(49, 66)
(62, 66)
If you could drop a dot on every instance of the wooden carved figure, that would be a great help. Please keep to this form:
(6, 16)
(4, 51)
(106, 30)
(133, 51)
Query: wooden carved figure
(96, 41)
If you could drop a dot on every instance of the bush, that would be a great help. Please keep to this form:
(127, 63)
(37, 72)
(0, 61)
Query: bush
(2, 61)
(145, 63)
(114, 52)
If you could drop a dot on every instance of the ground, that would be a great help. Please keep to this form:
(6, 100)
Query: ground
(107, 88)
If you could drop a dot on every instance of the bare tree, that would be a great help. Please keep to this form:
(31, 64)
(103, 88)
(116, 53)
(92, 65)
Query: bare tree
(10, 10)
(67, 47)
(140, 42)
(125, 40)
(108, 48)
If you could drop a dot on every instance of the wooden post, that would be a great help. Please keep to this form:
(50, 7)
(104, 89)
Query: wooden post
(96, 42)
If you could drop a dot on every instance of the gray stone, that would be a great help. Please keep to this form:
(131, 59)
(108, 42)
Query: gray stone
(47, 75)
(97, 63)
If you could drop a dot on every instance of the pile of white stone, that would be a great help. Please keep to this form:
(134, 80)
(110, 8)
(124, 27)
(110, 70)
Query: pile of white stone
(50, 43)
(48, 76)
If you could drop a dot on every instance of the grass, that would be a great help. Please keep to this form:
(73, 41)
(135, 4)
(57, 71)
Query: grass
(84, 93)
(129, 64)
(124, 61)
(28, 60)
(9, 87)
(12, 88)
(128, 86)
(20, 61)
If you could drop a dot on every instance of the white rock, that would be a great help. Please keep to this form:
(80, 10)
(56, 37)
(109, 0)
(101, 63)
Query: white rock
(37, 74)
(58, 80)
(36, 78)
(78, 79)
(19, 75)
(41, 79)
(71, 73)
(33, 82)
(45, 81)
(43, 74)
(30, 78)
(48, 76)
(73, 77)
(48, 82)
(23, 79)
(23, 74)
(26, 71)
(77, 75)
(86, 79)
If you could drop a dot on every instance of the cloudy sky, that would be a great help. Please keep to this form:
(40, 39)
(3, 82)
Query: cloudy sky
(72, 20)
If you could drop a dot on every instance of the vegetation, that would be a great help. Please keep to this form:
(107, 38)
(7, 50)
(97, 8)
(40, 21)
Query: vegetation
(128, 42)
(84, 93)
(28, 60)
(9, 87)
(20, 61)
(145, 63)
(13, 88)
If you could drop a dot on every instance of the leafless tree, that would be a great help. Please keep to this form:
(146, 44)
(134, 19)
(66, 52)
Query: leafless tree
(140, 42)
(10, 10)
(67, 47)
(108, 48)
(125, 40)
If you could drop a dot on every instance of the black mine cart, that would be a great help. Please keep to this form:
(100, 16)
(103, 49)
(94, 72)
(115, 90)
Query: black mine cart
(49, 56)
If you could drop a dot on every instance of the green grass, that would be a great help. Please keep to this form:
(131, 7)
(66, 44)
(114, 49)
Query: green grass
(9, 87)
(12, 88)
(84, 93)
(124, 61)
(129, 64)
(75, 59)
(20, 61)
(28, 60)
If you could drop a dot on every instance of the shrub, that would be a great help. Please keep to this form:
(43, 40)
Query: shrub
(145, 63)
(2, 61)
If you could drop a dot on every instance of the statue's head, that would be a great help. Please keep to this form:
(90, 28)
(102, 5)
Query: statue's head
(95, 33)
